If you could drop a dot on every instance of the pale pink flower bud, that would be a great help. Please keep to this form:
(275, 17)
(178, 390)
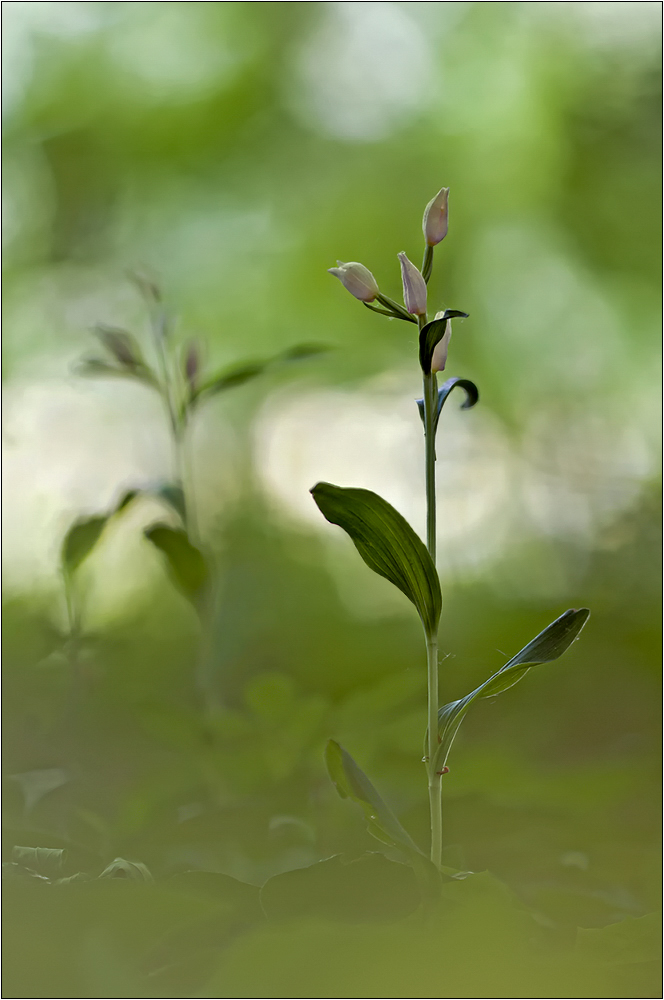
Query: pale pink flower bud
(439, 356)
(414, 287)
(357, 279)
(434, 223)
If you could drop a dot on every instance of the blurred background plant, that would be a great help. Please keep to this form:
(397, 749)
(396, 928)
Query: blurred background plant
(236, 150)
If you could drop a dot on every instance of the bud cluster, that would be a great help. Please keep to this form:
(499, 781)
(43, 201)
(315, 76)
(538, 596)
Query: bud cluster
(360, 282)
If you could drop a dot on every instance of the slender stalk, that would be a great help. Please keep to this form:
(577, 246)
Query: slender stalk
(72, 644)
(435, 800)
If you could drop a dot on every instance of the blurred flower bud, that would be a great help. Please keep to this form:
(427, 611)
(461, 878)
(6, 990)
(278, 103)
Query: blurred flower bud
(414, 287)
(434, 223)
(357, 279)
(439, 356)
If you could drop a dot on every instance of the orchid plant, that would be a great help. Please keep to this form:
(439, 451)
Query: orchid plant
(176, 372)
(391, 548)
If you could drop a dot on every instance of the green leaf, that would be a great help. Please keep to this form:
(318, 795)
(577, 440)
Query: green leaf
(368, 888)
(121, 344)
(187, 565)
(229, 378)
(134, 870)
(387, 543)
(548, 645)
(81, 539)
(173, 494)
(632, 941)
(44, 860)
(301, 352)
(13, 872)
(239, 373)
(352, 783)
(92, 367)
(472, 396)
(127, 497)
(433, 332)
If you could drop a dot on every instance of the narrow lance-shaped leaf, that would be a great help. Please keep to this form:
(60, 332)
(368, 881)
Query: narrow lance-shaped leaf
(121, 344)
(433, 332)
(241, 372)
(186, 563)
(352, 783)
(548, 645)
(387, 543)
(472, 396)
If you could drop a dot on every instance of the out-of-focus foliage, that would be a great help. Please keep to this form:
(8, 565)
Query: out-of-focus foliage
(237, 150)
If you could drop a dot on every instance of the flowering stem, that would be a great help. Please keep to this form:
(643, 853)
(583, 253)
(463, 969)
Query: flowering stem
(435, 800)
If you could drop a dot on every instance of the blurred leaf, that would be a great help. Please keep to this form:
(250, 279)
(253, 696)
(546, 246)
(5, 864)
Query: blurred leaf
(352, 783)
(301, 352)
(13, 872)
(126, 499)
(78, 877)
(230, 377)
(370, 887)
(387, 543)
(633, 940)
(548, 645)
(134, 870)
(121, 344)
(173, 494)
(45, 860)
(36, 784)
(92, 367)
(81, 539)
(432, 333)
(240, 896)
(187, 565)
(238, 374)
(472, 396)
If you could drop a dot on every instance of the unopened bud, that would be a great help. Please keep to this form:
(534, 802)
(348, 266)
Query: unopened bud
(434, 223)
(357, 279)
(439, 356)
(414, 287)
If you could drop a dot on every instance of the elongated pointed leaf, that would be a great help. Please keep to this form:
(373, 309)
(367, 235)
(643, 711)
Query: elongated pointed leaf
(387, 543)
(81, 539)
(92, 367)
(352, 783)
(301, 352)
(230, 377)
(472, 396)
(186, 563)
(548, 645)
(121, 344)
(433, 332)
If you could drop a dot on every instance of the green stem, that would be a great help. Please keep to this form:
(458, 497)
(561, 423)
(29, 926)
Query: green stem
(435, 800)
(72, 645)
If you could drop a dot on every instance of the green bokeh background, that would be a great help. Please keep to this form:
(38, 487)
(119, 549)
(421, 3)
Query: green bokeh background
(236, 150)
